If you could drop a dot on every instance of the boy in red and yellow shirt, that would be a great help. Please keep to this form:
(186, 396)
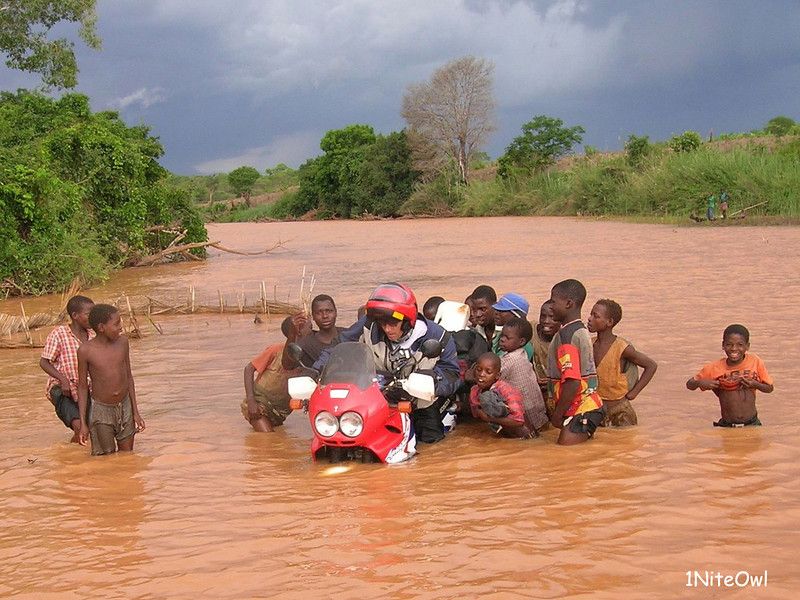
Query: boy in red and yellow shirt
(578, 408)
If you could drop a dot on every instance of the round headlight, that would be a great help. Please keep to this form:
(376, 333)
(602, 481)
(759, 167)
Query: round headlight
(326, 424)
(351, 424)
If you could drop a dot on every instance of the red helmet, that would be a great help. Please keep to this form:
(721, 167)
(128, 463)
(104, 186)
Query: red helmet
(393, 300)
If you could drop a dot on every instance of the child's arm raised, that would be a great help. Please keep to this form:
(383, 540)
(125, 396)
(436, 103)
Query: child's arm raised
(83, 393)
(640, 360)
(137, 418)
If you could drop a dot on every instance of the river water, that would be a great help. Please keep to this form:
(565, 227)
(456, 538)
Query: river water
(206, 507)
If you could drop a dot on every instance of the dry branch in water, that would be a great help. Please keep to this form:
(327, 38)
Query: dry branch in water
(183, 250)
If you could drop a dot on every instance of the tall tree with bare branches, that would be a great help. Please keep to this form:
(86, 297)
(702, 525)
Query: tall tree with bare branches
(451, 116)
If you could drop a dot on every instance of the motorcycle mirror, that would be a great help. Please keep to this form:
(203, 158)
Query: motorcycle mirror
(431, 348)
(420, 386)
(295, 351)
(301, 388)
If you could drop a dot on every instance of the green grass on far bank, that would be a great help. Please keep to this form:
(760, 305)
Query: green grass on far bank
(666, 184)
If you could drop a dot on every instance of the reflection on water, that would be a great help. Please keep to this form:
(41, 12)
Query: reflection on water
(205, 506)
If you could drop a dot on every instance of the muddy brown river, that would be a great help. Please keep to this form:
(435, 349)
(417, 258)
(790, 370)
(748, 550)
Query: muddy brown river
(206, 508)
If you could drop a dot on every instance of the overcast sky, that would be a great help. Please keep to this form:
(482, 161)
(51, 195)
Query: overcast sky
(225, 83)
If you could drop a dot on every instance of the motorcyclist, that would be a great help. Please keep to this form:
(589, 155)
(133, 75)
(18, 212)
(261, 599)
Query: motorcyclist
(395, 332)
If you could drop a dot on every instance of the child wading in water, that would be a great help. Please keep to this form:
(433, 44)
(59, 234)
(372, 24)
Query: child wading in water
(516, 369)
(543, 333)
(60, 361)
(617, 361)
(266, 403)
(735, 379)
(570, 367)
(113, 417)
(496, 402)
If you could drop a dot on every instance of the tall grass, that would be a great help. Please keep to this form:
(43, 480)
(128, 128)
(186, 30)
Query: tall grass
(666, 184)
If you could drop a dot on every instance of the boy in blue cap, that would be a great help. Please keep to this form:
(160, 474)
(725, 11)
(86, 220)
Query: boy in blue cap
(510, 306)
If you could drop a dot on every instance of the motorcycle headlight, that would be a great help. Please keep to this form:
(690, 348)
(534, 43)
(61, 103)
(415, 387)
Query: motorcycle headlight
(326, 424)
(351, 424)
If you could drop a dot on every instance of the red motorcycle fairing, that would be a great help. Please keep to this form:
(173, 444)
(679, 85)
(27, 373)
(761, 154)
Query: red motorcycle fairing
(387, 432)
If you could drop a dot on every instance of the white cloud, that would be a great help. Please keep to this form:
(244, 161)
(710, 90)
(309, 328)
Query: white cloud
(291, 149)
(146, 97)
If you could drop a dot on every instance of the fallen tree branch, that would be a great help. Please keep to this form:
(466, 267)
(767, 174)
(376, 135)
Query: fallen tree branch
(183, 251)
(274, 246)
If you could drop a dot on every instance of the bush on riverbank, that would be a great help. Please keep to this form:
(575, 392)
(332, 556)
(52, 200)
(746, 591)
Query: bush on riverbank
(80, 193)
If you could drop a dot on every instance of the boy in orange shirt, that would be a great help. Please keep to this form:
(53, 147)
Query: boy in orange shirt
(735, 379)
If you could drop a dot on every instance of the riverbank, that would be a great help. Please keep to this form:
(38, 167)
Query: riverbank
(760, 175)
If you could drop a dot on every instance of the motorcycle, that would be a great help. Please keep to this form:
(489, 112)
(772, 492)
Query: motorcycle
(357, 413)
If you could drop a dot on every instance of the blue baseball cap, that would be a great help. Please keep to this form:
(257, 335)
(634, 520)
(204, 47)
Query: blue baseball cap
(513, 303)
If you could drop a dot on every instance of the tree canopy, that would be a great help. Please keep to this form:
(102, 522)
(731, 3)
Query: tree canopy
(24, 29)
(780, 125)
(451, 116)
(242, 181)
(359, 172)
(543, 141)
(80, 192)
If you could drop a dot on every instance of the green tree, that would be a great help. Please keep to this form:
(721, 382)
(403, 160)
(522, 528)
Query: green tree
(686, 142)
(543, 141)
(780, 125)
(386, 176)
(242, 181)
(329, 183)
(80, 192)
(24, 29)
(636, 149)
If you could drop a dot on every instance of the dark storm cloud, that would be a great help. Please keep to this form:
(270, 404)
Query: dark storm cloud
(225, 83)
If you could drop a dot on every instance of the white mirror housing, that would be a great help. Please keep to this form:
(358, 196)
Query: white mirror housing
(301, 388)
(420, 386)
(452, 316)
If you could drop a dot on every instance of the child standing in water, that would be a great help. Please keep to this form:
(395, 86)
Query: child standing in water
(570, 366)
(113, 418)
(543, 333)
(60, 361)
(615, 357)
(516, 369)
(496, 402)
(266, 377)
(735, 379)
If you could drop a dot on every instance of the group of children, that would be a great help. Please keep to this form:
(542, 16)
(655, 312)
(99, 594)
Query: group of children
(520, 377)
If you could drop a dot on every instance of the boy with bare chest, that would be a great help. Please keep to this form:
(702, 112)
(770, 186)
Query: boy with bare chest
(113, 417)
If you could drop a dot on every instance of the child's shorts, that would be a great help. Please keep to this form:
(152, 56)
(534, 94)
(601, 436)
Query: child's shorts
(587, 422)
(66, 407)
(273, 412)
(754, 422)
(109, 424)
(619, 413)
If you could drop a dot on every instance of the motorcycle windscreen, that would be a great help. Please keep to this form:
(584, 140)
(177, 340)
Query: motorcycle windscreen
(350, 362)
